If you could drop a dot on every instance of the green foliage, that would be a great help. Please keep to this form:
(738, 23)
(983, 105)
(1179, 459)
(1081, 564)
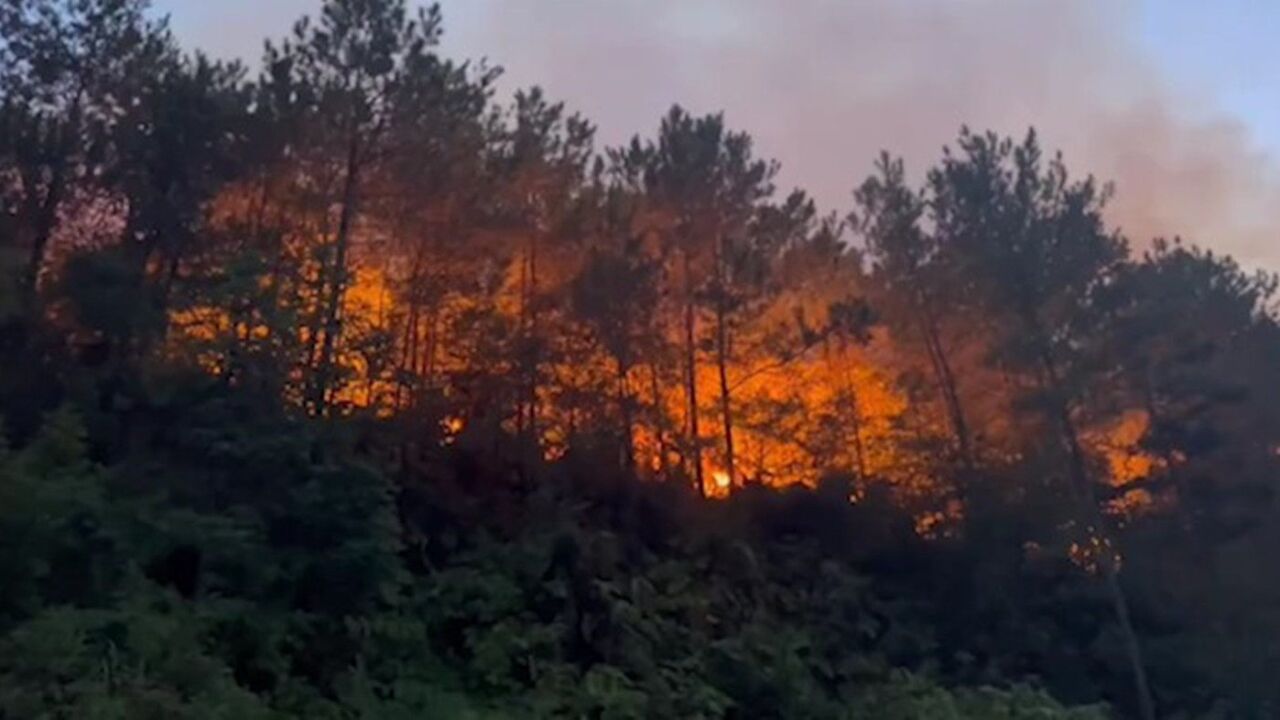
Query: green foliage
(51, 516)
(907, 697)
(146, 660)
(283, 362)
(257, 571)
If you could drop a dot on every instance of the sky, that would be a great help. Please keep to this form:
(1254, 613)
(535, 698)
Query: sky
(1175, 101)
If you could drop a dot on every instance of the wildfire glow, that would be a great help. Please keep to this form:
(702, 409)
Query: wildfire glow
(833, 406)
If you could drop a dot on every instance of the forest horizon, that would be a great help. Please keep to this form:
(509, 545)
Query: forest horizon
(348, 387)
(1155, 97)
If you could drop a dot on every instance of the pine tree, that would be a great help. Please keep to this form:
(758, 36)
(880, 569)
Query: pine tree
(1032, 243)
(704, 185)
(908, 264)
(352, 64)
(69, 67)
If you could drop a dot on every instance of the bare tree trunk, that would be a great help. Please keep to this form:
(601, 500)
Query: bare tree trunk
(1093, 516)
(946, 381)
(338, 286)
(413, 332)
(1111, 573)
(691, 375)
(628, 422)
(47, 213)
(659, 422)
(431, 363)
(46, 220)
(722, 367)
(278, 250)
(409, 356)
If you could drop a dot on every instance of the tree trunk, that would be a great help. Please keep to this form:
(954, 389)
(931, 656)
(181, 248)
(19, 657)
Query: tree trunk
(722, 366)
(691, 375)
(409, 356)
(946, 381)
(338, 286)
(47, 213)
(659, 419)
(628, 423)
(1093, 516)
(430, 361)
(1111, 573)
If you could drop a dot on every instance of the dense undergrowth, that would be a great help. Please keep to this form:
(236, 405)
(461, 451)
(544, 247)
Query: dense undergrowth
(353, 388)
(205, 557)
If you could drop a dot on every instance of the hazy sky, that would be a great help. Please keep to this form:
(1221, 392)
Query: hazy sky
(1177, 101)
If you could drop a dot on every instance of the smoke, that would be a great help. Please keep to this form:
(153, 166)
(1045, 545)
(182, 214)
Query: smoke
(824, 85)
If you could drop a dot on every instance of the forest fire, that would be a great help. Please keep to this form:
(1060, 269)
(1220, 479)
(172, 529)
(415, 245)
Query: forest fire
(353, 389)
(821, 407)
(797, 384)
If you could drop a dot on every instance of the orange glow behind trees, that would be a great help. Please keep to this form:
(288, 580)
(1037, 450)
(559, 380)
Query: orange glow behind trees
(364, 240)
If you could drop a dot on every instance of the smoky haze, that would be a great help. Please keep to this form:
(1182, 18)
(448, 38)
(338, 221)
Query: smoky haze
(823, 86)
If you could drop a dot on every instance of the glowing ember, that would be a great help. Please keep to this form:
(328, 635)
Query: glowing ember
(721, 479)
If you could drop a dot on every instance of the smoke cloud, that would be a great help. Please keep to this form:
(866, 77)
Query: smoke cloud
(824, 85)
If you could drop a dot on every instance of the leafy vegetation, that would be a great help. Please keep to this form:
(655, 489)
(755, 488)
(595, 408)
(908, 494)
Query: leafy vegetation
(348, 391)
(258, 569)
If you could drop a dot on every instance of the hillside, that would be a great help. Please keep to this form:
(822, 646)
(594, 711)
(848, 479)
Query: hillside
(348, 388)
